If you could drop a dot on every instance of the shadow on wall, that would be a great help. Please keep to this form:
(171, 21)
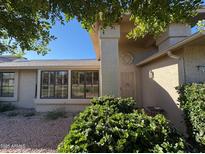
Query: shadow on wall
(171, 108)
(159, 80)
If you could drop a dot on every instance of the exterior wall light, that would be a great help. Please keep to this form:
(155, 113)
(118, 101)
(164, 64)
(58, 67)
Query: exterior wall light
(151, 74)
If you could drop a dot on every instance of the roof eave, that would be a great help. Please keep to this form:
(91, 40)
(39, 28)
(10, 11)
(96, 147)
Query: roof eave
(176, 46)
(48, 67)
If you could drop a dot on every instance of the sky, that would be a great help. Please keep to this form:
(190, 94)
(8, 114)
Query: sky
(73, 42)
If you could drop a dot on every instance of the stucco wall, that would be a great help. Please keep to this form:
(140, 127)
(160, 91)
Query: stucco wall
(159, 80)
(26, 88)
(130, 54)
(175, 32)
(73, 108)
(109, 58)
(194, 56)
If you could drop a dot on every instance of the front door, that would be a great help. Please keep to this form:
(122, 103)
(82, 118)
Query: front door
(127, 84)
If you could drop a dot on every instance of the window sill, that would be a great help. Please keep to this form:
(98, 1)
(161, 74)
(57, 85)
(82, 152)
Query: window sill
(8, 99)
(62, 101)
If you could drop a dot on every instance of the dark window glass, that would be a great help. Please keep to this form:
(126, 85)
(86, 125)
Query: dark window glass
(78, 86)
(7, 84)
(85, 84)
(54, 84)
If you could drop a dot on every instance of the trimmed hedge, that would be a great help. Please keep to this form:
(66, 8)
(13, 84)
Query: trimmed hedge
(192, 101)
(112, 125)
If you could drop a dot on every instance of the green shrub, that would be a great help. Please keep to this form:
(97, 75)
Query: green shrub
(6, 107)
(53, 115)
(12, 114)
(29, 114)
(192, 101)
(125, 105)
(108, 127)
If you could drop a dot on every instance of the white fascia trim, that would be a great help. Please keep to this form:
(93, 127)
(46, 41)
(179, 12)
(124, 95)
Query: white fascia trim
(49, 67)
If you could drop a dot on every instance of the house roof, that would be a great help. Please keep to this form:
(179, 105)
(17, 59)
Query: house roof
(8, 58)
(40, 64)
(172, 48)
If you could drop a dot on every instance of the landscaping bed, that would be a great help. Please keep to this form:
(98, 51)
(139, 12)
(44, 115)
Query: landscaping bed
(26, 131)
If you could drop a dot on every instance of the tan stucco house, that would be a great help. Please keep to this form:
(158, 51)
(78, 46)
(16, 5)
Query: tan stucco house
(146, 69)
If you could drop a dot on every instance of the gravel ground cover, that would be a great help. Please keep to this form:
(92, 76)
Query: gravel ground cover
(31, 133)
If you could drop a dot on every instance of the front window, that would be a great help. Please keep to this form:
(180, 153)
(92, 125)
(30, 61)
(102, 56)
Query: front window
(85, 84)
(54, 84)
(7, 84)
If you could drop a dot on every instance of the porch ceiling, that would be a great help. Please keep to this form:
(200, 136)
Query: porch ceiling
(125, 27)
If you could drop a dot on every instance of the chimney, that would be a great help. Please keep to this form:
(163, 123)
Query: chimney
(174, 34)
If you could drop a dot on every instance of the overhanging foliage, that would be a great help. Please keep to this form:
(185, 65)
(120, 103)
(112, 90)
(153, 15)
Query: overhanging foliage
(25, 24)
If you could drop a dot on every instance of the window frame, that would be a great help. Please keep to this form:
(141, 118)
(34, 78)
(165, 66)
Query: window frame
(84, 92)
(1, 84)
(55, 71)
